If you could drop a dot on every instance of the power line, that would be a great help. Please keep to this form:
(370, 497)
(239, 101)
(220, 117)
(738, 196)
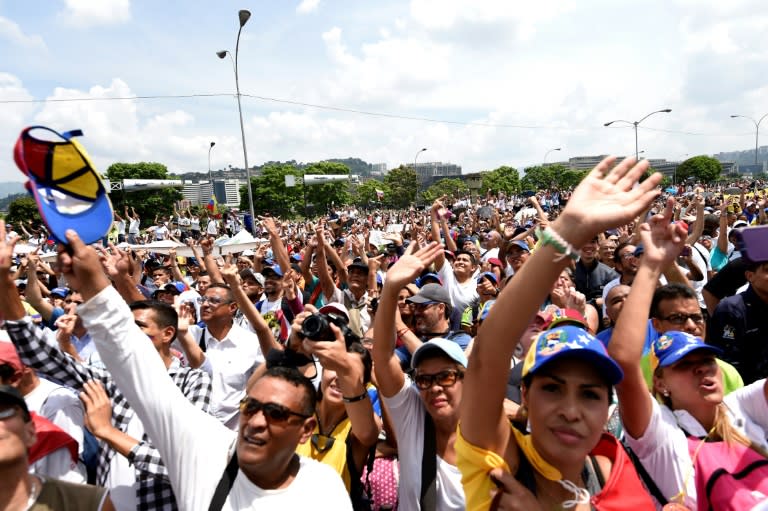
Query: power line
(358, 112)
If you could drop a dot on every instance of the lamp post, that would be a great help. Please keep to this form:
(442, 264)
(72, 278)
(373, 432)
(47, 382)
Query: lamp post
(636, 123)
(418, 179)
(210, 174)
(547, 154)
(757, 129)
(243, 16)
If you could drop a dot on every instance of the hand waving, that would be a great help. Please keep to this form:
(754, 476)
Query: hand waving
(410, 266)
(662, 240)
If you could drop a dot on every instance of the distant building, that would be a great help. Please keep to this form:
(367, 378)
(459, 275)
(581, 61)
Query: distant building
(227, 192)
(429, 172)
(378, 169)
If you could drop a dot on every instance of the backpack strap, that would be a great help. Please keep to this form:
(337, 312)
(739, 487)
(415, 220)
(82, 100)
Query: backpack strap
(428, 496)
(359, 492)
(225, 484)
(648, 481)
(201, 341)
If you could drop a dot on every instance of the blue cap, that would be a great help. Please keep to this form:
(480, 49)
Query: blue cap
(69, 192)
(673, 346)
(429, 277)
(570, 341)
(521, 244)
(485, 310)
(275, 268)
(445, 347)
(639, 250)
(61, 292)
(488, 275)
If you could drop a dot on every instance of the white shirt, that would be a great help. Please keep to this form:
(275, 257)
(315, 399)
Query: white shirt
(212, 227)
(702, 260)
(133, 226)
(230, 362)
(663, 449)
(407, 411)
(462, 295)
(195, 446)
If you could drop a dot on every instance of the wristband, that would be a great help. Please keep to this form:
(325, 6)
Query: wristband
(355, 399)
(549, 237)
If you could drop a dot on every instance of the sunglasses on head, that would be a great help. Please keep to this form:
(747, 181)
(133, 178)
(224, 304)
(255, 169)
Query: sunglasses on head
(273, 412)
(447, 378)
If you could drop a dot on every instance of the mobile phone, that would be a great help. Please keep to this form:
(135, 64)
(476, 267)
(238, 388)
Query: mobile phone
(752, 242)
(686, 252)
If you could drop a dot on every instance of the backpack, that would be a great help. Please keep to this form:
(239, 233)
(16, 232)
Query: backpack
(729, 477)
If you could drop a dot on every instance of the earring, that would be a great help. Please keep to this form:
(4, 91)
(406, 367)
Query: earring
(665, 393)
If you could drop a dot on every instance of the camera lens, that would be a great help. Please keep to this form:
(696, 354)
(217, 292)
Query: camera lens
(313, 326)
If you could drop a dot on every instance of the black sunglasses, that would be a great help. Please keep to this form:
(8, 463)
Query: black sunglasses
(272, 411)
(447, 378)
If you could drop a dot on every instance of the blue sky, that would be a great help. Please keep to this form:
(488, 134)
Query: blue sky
(559, 69)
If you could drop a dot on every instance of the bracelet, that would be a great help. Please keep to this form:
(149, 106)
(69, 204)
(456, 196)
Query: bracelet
(403, 331)
(356, 398)
(549, 237)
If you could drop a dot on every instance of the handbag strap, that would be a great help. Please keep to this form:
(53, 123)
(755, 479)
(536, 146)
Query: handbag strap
(225, 484)
(428, 497)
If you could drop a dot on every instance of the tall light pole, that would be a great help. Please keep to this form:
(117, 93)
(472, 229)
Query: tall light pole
(418, 179)
(210, 175)
(547, 154)
(636, 123)
(243, 16)
(757, 129)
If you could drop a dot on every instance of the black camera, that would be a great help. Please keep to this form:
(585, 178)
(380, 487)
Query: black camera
(317, 327)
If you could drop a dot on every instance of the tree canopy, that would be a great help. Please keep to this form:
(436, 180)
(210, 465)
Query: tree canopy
(365, 196)
(403, 184)
(703, 168)
(149, 203)
(270, 194)
(503, 179)
(541, 177)
(450, 187)
(322, 196)
(22, 209)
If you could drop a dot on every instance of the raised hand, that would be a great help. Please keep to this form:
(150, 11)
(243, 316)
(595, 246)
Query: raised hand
(269, 224)
(410, 266)
(6, 251)
(230, 274)
(606, 198)
(80, 264)
(662, 240)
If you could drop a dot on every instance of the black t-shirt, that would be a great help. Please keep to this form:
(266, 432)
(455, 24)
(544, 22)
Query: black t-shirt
(729, 279)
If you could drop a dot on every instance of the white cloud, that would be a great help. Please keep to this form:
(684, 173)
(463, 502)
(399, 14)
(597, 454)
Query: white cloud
(307, 6)
(87, 13)
(12, 32)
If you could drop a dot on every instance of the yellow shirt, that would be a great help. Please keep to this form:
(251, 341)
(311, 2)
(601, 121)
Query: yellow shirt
(475, 464)
(336, 456)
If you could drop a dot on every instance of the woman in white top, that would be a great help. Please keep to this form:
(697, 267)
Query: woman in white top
(695, 439)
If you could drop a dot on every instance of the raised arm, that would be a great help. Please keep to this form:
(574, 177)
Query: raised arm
(206, 245)
(34, 290)
(279, 252)
(434, 218)
(386, 364)
(605, 198)
(662, 241)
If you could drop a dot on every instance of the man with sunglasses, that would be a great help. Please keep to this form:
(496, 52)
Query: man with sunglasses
(425, 409)
(209, 465)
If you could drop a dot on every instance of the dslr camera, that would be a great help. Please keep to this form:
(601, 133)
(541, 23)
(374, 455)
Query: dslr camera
(317, 327)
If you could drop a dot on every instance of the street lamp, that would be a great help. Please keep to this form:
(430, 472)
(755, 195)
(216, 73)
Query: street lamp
(243, 16)
(210, 175)
(636, 123)
(418, 179)
(547, 154)
(757, 129)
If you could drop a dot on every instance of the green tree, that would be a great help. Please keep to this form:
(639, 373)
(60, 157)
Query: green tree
(322, 196)
(570, 178)
(149, 203)
(503, 179)
(270, 195)
(23, 209)
(540, 177)
(365, 195)
(450, 186)
(702, 168)
(403, 183)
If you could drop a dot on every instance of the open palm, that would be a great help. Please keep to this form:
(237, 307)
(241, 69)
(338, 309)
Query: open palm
(410, 266)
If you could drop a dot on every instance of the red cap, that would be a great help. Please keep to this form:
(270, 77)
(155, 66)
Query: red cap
(9, 356)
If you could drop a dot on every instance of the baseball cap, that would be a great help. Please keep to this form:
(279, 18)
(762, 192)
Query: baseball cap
(442, 346)
(9, 356)
(334, 308)
(250, 273)
(487, 275)
(275, 268)
(739, 223)
(10, 394)
(521, 244)
(359, 264)
(564, 317)
(574, 342)
(431, 293)
(429, 277)
(485, 310)
(673, 346)
(495, 261)
(69, 192)
(170, 288)
(61, 292)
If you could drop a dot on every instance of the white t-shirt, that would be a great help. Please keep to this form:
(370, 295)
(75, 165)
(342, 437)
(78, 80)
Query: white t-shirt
(462, 295)
(663, 449)
(702, 260)
(133, 226)
(407, 411)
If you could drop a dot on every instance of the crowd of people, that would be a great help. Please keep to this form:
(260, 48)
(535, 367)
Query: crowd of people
(595, 348)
